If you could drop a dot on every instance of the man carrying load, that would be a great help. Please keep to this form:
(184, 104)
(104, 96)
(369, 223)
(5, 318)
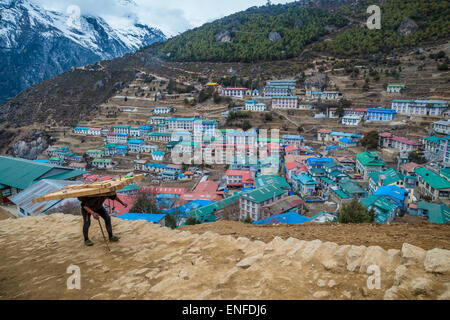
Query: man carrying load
(94, 206)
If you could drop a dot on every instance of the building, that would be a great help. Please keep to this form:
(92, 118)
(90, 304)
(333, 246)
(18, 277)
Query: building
(240, 178)
(420, 107)
(390, 177)
(253, 105)
(395, 88)
(304, 184)
(81, 130)
(135, 132)
(134, 145)
(110, 150)
(158, 155)
(385, 211)
(327, 135)
(95, 131)
(378, 114)
(125, 129)
(361, 112)
(122, 150)
(103, 163)
(287, 204)
(234, 92)
(351, 120)
(292, 149)
(95, 153)
(251, 203)
(161, 110)
(447, 152)
(367, 162)
(186, 124)
(277, 91)
(442, 127)
(24, 200)
(145, 130)
(205, 128)
(17, 174)
(159, 136)
(111, 138)
(345, 143)
(388, 140)
(122, 138)
(331, 95)
(436, 213)
(292, 140)
(432, 184)
(155, 120)
(280, 102)
(242, 137)
(347, 190)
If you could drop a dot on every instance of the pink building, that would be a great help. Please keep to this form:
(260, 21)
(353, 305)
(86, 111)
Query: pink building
(388, 140)
(285, 102)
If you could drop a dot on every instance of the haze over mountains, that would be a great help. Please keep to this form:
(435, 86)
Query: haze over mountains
(37, 44)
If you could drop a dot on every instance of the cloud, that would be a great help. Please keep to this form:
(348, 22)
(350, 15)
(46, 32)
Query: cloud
(171, 16)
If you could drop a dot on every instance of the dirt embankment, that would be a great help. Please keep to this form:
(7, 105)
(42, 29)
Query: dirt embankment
(424, 235)
(152, 262)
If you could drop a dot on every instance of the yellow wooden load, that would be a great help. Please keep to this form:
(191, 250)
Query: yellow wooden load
(103, 188)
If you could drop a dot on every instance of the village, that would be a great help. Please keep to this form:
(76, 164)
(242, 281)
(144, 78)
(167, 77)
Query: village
(252, 155)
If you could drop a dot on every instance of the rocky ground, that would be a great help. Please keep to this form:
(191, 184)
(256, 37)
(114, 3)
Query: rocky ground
(152, 262)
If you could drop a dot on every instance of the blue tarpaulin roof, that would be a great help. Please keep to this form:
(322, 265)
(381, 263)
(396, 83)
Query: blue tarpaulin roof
(150, 217)
(286, 218)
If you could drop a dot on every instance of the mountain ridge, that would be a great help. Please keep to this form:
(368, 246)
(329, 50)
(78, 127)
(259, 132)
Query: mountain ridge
(37, 44)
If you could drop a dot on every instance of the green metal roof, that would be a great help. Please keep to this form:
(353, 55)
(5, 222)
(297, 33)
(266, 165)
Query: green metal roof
(432, 178)
(437, 213)
(383, 207)
(218, 205)
(350, 187)
(326, 180)
(263, 194)
(370, 159)
(102, 160)
(20, 173)
(341, 194)
(433, 139)
(446, 172)
(272, 180)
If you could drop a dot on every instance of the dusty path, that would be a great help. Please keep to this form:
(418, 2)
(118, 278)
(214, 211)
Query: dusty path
(152, 262)
(424, 235)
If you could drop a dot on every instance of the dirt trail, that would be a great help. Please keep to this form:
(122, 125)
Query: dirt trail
(152, 262)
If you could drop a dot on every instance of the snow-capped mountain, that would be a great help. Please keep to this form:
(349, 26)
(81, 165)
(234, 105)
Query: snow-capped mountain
(37, 44)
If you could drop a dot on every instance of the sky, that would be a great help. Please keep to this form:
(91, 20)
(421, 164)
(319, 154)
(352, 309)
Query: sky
(170, 16)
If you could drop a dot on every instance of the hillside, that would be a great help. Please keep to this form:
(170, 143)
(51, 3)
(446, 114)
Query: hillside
(283, 31)
(151, 262)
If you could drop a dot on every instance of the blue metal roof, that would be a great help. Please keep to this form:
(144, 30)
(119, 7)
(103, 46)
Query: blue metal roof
(155, 165)
(135, 141)
(347, 140)
(379, 110)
